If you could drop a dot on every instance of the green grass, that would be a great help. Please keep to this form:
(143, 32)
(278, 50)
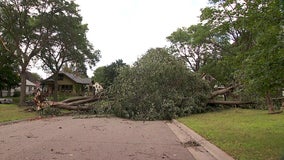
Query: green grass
(11, 112)
(242, 133)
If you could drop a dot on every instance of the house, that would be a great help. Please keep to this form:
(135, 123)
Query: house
(30, 87)
(67, 83)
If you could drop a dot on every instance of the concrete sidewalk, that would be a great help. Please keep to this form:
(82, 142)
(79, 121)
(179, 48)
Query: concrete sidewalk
(102, 139)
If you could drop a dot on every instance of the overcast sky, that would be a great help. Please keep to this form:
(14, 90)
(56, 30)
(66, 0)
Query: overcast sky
(126, 29)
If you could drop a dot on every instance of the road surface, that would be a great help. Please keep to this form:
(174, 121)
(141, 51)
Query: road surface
(67, 138)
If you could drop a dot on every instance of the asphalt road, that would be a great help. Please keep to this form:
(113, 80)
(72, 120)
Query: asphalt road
(66, 138)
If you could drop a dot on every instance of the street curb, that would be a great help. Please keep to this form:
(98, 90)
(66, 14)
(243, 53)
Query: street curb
(12, 122)
(23, 120)
(206, 150)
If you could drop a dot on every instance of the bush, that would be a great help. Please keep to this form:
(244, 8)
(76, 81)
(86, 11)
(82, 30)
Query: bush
(158, 86)
(17, 94)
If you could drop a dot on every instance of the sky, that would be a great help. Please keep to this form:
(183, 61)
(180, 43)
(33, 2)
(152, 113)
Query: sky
(126, 29)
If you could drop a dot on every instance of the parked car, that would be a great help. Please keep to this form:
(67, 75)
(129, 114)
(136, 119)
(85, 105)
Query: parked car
(5, 100)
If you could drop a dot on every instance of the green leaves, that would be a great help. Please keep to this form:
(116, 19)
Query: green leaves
(106, 75)
(158, 86)
(66, 41)
(195, 44)
(256, 44)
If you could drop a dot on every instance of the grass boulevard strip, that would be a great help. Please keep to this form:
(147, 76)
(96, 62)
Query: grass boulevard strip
(244, 134)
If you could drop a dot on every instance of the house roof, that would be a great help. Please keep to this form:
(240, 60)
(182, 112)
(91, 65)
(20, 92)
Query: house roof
(29, 83)
(77, 79)
(73, 77)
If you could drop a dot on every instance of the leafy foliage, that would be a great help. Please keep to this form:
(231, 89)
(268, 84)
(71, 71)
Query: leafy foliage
(46, 29)
(67, 42)
(158, 86)
(255, 57)
(22, 33)
(106, 75)
(189, 44)
(50, 111)
(8, 71)
(196, 44)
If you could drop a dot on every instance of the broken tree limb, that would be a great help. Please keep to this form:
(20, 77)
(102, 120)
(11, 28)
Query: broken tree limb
(84, 101)
(74, 99)
(222, 91)
(3, 43)
(76, 103)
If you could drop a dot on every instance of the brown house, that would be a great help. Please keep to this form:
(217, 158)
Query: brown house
(67, 83)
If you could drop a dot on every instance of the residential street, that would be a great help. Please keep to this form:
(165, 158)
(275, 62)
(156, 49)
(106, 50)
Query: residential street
(64, 138)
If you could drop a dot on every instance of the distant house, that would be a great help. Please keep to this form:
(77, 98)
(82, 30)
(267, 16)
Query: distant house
(30, 87)
(67, 83)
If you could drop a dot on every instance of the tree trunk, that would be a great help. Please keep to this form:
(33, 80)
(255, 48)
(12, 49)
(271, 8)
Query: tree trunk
(77, 103)
(269, 102)
(74, 99)
(23, 87)
(55, 92)
(9, 92)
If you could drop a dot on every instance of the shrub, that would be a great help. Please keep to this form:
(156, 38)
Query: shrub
(158, 86)
(17, 94)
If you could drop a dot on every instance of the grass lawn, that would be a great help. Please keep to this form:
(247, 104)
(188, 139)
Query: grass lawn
(242, 133)
(10, 112)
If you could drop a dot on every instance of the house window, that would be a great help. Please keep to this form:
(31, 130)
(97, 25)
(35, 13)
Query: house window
(60, 77)
(66, 87)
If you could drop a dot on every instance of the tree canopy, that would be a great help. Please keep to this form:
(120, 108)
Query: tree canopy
(106, 75)
(22, 33)
(193, 44)
(8, 71)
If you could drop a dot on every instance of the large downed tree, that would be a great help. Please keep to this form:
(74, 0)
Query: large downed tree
(83, 103)
(75, 103)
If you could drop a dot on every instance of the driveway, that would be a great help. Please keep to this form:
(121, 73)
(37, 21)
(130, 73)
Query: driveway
(66, 138)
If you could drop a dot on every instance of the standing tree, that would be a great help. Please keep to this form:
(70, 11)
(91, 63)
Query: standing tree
(67, 42)
(26, 26)
(255, 29)
(99, 75)
(196, 44)
(106, 75)
(22, 33)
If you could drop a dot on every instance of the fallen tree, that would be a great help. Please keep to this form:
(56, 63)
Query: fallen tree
(83, 103)
(77, 103)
